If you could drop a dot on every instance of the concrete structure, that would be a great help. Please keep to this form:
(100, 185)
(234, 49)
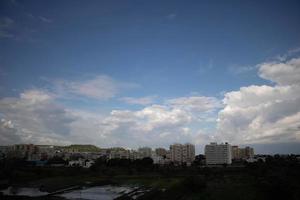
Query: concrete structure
(144, 152)
(156, 158)
(25, 151)
(88, 163)
(134, 155)
(218, 153)
(4, 151)
(118, 152)
(46, 151)
(242, 153)
(188, 153)
(81, 163)
(235, 152)
(182, 153)
(249, 152)
(161, 152)
(176, 153)
(76, 163)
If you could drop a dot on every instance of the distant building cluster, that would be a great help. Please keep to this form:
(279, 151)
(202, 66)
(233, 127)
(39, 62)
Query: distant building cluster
(242, 153)
(177, 154)
(224, 153)
(85, 155)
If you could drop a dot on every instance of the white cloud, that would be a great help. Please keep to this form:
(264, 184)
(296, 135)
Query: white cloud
(36, 117)
(159, 125)
(8, 132)
(139, 101)
(290, 53)
(196, 103)
(36, 96)
(162, 117)
(264, 114)
(146, 126)
(282, 73)
(101, 87)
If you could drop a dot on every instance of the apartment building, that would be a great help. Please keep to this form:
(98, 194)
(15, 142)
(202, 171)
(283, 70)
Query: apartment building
(182, 153)
(144, 152)
(161, 152)
(218, 153)
(118, 152)
(242, 153)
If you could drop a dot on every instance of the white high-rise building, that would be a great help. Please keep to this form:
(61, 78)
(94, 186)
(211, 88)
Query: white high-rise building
(218, 153)
(182, 153)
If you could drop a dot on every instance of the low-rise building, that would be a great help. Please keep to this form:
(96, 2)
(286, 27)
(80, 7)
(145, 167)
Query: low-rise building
(81, 163)
(118, 152)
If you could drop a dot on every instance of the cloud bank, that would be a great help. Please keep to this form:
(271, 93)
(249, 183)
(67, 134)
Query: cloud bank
(264, 114)
(256, 114)
(37, 117)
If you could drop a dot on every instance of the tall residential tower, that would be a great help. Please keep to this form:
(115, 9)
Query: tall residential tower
(182, 153)
(218, 153)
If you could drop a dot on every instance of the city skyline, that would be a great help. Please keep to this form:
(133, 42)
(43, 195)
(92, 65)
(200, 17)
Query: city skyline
(177, 154)
(153, 148)
(151, 73)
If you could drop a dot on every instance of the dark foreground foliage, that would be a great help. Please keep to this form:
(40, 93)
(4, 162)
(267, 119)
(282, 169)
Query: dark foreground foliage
(277, 178)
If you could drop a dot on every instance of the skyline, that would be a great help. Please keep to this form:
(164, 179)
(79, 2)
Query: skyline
(138, 73)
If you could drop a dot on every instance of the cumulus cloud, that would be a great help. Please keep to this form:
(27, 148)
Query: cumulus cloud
(36, 118)
(264, 114)
(146, 126)
(8, 132)
(160, 125)
(36, 96)
(282, 73)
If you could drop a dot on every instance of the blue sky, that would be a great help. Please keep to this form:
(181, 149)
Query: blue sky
(98, 57)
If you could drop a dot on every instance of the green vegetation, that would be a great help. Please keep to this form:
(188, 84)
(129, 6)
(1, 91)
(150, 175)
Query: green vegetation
(277, 178)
